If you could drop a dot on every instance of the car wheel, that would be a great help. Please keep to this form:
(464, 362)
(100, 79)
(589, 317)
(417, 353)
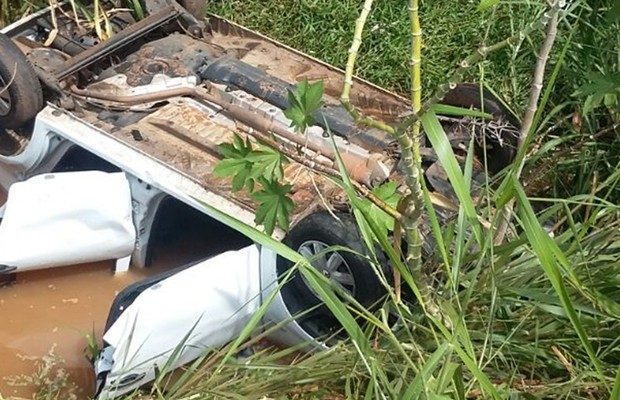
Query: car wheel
(312, 237)
(502, 141)
(21, 97)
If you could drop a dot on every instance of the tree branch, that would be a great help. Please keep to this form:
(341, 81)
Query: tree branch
(528, 118)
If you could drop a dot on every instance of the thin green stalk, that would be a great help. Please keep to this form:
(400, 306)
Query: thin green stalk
(405, 140)
(410, 148)
(456, 77)
(353, 51)
(350, 69)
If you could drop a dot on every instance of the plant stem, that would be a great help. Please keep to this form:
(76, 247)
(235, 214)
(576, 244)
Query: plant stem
(412, 160)
(414, 256)
(350, 69)
(539, 74)
(353, 51)
(480, 54)
(530, 113)
(457, 76)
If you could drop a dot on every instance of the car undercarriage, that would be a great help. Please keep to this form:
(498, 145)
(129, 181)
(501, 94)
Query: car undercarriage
(176, 88)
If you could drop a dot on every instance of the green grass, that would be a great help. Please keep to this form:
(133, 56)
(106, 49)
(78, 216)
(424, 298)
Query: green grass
(537, 317)
(324, 29)
(453, 29)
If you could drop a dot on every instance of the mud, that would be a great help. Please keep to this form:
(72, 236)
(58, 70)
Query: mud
(56, 308)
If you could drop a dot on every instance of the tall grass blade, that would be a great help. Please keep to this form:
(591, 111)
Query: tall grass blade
(441, 144)
(544, 250)
(416, 386)
(615, 393)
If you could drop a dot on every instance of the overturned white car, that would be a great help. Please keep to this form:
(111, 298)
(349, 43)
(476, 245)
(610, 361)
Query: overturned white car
(154, 102)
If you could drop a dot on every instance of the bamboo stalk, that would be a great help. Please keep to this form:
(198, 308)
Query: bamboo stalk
(354, 50)
(349, 72)
(480, 54)
(455, 78)
(410, 150)
(414, 254)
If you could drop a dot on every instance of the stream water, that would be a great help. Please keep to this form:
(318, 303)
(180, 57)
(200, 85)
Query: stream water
(55, 309)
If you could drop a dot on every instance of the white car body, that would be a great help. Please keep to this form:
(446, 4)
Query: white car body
(179, 319)
(56, 133)
(220, 95)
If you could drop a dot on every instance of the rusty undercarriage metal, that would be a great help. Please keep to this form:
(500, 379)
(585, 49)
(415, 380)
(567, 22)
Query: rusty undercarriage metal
(182, 126)
(367, 168)
(175, 89)
(123, 38)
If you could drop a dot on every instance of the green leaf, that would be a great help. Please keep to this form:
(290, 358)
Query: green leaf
(441, 145)
(267, 162)
(229, 167)
(388, 193)
(414, 390)
(600, 89)
(239, 169)
(615, 393)
(275, 206)
(304, 100)
(445, 109)
(236, 164)
(486, 4)
(546, 252)
(299, 120)
(599, 83)
(314, 97)
(246, 165)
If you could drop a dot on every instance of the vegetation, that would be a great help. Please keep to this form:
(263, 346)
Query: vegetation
(531, 316)
(510, 320)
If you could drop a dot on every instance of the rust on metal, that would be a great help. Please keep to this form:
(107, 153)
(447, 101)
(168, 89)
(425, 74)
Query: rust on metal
(123, 38)
(183, 126)
(363, 168)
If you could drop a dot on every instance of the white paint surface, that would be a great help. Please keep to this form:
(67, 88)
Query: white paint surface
(67, 218)
(200, 308)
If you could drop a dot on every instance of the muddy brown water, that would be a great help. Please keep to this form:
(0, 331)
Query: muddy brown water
(56, 308)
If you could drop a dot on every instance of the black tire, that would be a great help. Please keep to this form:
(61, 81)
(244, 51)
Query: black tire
(501, 152)
(21, 96)
(323, 227)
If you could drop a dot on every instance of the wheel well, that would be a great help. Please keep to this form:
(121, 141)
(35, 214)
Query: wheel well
(182, 234)
(79, 159)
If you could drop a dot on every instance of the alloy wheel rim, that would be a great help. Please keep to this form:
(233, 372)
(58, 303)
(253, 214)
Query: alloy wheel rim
(331, 264)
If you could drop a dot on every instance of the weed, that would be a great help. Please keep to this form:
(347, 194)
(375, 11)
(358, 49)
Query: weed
(50, 380)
